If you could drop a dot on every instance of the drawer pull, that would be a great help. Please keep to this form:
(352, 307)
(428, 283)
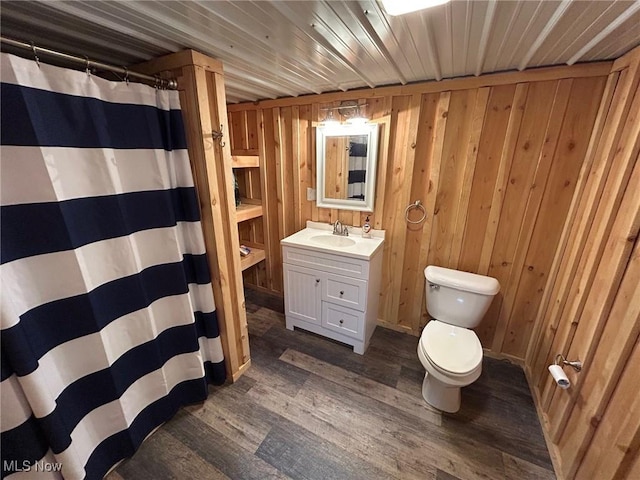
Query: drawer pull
(341, 292)
(341, 321)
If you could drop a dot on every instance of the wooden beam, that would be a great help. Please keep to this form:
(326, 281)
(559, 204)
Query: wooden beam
(224, 177)
(194, 99)
(245, 161)
(628, 59)
(597, 69)
(177, 60)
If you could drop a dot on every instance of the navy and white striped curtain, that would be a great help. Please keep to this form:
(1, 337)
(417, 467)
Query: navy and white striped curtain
(357, 167)
(108, 321)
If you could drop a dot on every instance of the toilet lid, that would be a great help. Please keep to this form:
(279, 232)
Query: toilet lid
(453, 349)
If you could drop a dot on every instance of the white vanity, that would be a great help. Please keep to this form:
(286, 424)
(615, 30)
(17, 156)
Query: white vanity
(332, 283)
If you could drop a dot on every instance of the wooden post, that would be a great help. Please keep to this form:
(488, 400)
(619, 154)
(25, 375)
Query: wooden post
(202, 98)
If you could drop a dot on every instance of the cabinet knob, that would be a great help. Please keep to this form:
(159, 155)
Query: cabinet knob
(317, 280)
(341, 321)
(341, 292)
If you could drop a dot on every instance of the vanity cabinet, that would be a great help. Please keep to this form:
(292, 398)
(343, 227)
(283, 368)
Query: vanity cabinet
(332, 295)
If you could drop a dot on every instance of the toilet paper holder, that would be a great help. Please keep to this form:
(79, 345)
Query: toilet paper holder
(576, 364)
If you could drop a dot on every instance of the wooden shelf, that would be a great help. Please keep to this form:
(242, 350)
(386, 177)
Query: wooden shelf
(248, 210)
(245, 161)
(256, 256)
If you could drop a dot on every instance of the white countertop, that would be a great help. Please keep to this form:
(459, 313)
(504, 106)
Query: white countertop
(363, 248)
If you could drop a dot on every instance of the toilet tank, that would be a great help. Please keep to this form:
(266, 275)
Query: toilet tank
(458, 298)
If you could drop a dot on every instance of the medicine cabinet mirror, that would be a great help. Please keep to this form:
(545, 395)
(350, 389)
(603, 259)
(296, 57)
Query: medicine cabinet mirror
(346, 158)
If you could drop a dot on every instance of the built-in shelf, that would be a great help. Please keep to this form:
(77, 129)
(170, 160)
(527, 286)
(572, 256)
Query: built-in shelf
(245, 161)
(248, 210)
(256, 256)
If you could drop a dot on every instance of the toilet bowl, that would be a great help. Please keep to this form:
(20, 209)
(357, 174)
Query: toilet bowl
(448, 349)
(452, 359)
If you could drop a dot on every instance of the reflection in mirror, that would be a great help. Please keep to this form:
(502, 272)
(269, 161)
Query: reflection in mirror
(346, 166)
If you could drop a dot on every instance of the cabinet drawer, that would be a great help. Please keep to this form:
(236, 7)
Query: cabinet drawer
(343, 320)
(345, 291)
(326, 262)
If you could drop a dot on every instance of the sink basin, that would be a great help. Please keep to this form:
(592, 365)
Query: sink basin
(317, 237)
(333, 241)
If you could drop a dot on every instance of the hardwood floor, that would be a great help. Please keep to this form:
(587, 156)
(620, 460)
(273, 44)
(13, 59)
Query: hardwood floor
(310, 408)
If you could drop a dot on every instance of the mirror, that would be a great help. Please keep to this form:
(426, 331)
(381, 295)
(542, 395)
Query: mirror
(346, 157)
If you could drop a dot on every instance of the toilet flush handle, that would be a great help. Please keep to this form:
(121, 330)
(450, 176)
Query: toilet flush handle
(433, 286)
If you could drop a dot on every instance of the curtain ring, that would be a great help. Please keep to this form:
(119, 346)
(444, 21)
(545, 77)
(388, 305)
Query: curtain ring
(157, 84)
(126, 75)
(87, 67)
(418, 205)
(35, 54)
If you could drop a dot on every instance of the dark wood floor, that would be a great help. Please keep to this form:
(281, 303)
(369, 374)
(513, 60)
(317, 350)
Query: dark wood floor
(310, 408)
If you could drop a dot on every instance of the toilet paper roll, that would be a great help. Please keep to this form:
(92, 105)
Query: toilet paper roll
(559, 376)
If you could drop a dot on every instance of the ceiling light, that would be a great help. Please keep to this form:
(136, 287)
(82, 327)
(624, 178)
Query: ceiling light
(400, 7)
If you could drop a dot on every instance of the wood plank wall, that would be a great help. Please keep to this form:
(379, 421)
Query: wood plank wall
(494, 159)
(590, 308)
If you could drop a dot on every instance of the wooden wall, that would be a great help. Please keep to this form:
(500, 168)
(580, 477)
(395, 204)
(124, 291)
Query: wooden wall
(590, 308)
(494, 159)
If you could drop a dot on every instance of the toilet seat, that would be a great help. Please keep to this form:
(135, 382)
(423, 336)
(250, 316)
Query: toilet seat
(453, 350)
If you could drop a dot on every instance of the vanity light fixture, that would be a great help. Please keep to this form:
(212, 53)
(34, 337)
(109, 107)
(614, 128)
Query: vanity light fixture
(330, 120)
(357, 118)
(400, 7)
(350, 111)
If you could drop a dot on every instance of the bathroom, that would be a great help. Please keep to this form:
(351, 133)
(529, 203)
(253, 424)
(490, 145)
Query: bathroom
(524, 176)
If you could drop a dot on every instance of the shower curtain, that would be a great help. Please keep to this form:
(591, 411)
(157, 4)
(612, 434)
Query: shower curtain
(356, 181)
(107, 314)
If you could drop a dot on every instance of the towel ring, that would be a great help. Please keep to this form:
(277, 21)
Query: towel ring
(419, 206)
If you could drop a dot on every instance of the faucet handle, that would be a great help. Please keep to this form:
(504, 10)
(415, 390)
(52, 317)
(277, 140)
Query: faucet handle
(345, 231)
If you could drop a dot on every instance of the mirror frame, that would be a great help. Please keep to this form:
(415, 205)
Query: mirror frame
(341, 130)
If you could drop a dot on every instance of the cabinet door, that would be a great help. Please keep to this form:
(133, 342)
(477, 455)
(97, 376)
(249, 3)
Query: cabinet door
(302, 291)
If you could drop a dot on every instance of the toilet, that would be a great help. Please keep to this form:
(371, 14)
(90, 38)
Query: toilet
(449, 350)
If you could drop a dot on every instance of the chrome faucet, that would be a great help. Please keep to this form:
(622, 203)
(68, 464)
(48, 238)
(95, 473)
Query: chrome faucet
(339, 229)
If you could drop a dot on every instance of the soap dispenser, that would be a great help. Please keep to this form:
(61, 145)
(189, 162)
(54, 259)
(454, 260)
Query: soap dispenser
(366, 228)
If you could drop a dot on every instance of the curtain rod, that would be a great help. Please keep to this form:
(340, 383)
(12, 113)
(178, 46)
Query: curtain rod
(171, 84)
